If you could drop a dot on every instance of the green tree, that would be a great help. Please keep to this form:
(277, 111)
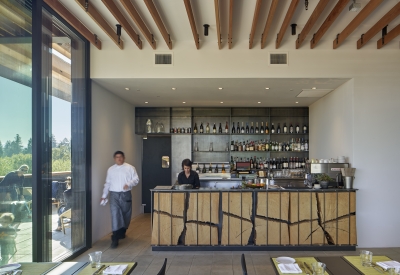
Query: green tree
(28, 149)
(53, 141)
(8, 149)
(16, 145)
(1, 149)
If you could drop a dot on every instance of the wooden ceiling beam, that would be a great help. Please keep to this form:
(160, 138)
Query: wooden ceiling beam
(286, 21)
(14, 17)
(74, 22)
(139, 22)
(384, 21)
(311, 21)
(192, 22)
(388, 37)
(230, 24)
(360, 17)
(218, 23)
(271, 13)
(254, 24)
(123, 21)
(339, 7)
(158, 20)
(101, 22)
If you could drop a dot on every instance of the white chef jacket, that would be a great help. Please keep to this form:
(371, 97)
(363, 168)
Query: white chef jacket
(118, 176)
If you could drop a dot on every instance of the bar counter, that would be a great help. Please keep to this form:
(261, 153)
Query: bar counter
(253, 219)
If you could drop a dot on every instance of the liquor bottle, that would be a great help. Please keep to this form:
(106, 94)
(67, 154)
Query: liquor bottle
(201, 128)
(247, 128)
(302, 145)
(226, 128)
(232, 146)
(214, 129)
(195, 128)
(223, 168)
(232, 164)
(284, 128)
(287, 147)
(233, 128)
(266, 128)
(291, 128)
(236, 147)
(204, 169)
(208, 128)
(251, 163)
(272, 129)
(252, 128)
(297, 129)
(262, 128)
(220, 129)
(306, 145)
(210, 168)
(278, 129)
(257, 130)
(305, 129)
(255, 163)
(238, 128)
(216, 169)
(198, 168)
(242, 129)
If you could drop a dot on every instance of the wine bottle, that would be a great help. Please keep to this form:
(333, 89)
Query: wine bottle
(226, 128)
(214, 129)
(220, 129)
(233, 128)
(291, 128)
(262, 128)
(232, 146)
(297, 129)
(247, 128)
(242, 129)
(216, 169)
(198, 168)
(257, 129)
(232, 164)
(306, 145)
(278, 129)
(210, 168)
(272, 129)
(252, 128)
(284, 128)
(238, 128)
(204, 169)
(251, 163)
(208, 128)
(195, 128)
(305, 129)
(223, 168)
(201, 128)
(266, 128)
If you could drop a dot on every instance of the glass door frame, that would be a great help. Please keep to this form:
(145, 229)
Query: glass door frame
(41, 143)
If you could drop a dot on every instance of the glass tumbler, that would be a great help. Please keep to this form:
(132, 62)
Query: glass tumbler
(366, 258)
(95, 259)
(318, 268)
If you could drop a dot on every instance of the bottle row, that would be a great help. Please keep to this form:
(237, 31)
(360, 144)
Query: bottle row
(273, 163)
(210, 169)
(251, 129)
(295, 144)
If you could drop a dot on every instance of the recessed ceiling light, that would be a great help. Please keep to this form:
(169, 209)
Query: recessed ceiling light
(259, 102)
(221, 102)
(266, 88)
(297, 102)
(220, 88)
(314, 88)
(174, 89)
(291, 90)
(127, 89)
(184, 102)
(146, 102)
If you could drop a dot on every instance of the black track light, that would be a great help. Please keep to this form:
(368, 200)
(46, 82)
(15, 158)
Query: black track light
(206, 26)
(119, 32)
(293, 29)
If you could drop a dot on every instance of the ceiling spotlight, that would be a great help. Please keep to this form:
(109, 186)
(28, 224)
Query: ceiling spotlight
(314, 88)
(206, 26)
(221, 102)
(119, 33)
(266, 88)
(174, 89)
(297, 102)
(220, 88)
(184, 102)
(306, 4)
(146, 102)
(259, 102)
(127, 89)
(293, 29)
(355, 6)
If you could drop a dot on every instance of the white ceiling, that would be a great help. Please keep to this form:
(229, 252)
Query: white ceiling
(236, 92)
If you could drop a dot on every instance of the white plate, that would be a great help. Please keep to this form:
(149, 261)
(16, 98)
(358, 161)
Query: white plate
(9, 267)
(285, 260)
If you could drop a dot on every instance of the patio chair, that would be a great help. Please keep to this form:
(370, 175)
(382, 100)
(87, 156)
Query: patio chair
(162, 270)
(244, 268)
(65, 219)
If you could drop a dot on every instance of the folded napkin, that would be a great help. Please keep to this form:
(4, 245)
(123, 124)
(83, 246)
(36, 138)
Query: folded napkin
(289, 268)
(116, 269)
(389, 264)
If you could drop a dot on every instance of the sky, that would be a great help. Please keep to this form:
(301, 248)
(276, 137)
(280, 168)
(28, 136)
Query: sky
(16, 113)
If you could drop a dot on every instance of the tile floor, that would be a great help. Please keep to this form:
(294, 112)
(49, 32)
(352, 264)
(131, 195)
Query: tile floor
(136, 247)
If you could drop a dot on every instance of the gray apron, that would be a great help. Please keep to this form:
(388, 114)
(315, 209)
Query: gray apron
(121, 209)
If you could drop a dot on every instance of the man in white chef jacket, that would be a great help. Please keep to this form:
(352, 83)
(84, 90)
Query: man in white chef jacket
(121, 177)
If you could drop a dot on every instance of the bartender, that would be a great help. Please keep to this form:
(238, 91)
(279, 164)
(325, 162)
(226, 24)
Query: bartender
(188, 176)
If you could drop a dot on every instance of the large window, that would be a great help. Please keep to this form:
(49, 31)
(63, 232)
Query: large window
(44, 157)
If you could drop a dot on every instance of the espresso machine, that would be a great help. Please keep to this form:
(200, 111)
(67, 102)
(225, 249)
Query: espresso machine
(331, 169)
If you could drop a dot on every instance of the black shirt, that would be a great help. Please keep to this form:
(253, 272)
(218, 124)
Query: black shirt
(192, 179)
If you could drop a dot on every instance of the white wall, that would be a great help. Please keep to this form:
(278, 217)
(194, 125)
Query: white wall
(113, 128)
(331, 124)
